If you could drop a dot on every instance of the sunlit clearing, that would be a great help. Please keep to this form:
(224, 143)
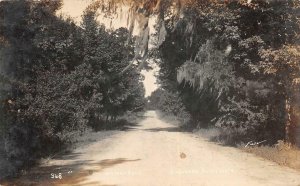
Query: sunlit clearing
(150, 80)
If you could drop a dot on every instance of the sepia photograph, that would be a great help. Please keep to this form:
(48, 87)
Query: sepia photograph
(149, 92)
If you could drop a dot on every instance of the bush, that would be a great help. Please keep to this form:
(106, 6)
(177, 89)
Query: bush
(169, 103)
(57, 77)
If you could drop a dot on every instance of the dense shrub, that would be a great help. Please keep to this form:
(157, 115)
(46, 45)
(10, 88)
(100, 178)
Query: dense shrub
(234, 65)
(169, 103)
(57, 77)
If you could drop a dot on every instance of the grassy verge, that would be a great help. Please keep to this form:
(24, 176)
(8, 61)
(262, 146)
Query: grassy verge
(180, 122)
(79, 139)
(281, 153)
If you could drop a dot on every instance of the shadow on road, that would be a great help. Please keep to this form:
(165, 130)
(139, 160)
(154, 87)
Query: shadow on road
(107, 163)
(130, 126)
(69, 173)
(167, 129)
(48, 175)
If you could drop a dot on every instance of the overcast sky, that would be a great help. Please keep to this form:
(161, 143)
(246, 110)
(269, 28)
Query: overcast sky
(75, 8)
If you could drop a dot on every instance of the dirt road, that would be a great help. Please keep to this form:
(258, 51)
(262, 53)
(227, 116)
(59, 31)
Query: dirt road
(156, 153)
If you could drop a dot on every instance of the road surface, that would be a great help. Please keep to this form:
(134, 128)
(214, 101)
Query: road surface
(155, 153)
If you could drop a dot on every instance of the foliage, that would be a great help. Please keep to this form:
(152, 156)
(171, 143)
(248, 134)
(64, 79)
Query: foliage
(168, 103)
(57, 77)
(235, 66)
(230, 59)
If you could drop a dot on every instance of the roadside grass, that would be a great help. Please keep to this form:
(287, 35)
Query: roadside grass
(281, 153)
(89, 135)
(209, 134)
(121, 123)
(169, 118)
(77, 140)
(181, 122)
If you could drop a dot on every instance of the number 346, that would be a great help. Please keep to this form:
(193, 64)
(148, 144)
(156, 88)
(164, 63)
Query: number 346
(56, 176)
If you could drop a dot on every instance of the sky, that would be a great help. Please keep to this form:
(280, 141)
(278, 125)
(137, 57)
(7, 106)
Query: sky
(75, 8)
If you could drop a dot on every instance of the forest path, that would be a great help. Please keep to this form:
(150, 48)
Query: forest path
(155, 152)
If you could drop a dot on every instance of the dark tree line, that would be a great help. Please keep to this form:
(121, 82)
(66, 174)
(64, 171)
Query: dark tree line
(235, 65)
(57, 77)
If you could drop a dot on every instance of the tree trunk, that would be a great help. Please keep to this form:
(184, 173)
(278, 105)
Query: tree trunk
(291, 122)
(106, 120)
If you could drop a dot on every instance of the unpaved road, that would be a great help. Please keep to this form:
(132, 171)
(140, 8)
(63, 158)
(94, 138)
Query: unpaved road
(156, 153)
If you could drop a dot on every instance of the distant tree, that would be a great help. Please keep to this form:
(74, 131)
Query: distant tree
(109, 54)
(169, 103)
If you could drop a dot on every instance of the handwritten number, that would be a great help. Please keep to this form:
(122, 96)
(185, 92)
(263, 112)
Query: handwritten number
(56, 176)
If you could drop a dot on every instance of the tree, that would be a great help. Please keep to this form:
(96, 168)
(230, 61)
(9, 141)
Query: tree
(218, 51)
(57, 78)
(109, 53)
(283, 65)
